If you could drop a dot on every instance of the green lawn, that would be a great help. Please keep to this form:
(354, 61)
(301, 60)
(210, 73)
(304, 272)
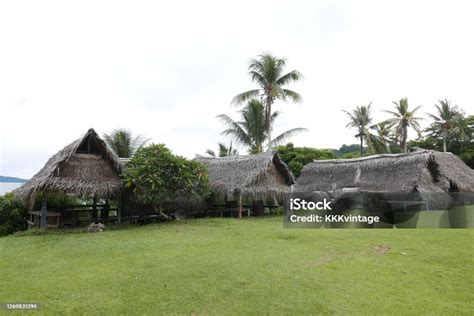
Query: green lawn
(249, 266)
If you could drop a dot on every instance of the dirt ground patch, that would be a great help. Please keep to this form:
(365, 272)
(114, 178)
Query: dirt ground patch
(381, 250)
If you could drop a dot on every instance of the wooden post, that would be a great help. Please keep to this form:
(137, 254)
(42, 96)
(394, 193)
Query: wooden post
(105, 210)
(44, 213)
(275, 202)
(240, 205)
(94, 208)
(119, 208)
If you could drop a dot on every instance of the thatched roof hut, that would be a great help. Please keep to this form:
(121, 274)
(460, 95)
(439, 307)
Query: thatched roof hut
(421, 171)
(86, 167)
(256, 176)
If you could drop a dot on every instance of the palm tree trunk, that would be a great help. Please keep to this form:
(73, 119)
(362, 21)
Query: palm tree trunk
(361, 146)
(444, 141)
(405, 136)
(268, 112)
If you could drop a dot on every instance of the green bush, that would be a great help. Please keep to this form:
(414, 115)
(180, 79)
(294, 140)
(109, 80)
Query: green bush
(468, 158)
(297, 157)
(157, 176)
(12, 215)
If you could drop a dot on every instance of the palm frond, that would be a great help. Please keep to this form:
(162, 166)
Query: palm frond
(294, 96)
(258, 78)
(210, 153)
(391, 112)
(285, 136)
(235, 130)
(245, 96)
(289, 77)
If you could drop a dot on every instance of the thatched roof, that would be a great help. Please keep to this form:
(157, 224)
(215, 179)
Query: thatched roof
(419, 171)
(85, 167)
(255, 176)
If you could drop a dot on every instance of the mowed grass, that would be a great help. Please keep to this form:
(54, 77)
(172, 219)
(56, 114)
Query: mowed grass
(249, 266)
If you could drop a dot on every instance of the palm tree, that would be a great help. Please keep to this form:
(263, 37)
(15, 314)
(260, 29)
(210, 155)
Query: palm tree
(360, 119)
(123, 143)
(224, 151)
(383, 136)
(402, 119)
(268, 72)
(250, 131)
(463, 129)
(444, 118)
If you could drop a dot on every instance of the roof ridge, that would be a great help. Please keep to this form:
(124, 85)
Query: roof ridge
(381, 156)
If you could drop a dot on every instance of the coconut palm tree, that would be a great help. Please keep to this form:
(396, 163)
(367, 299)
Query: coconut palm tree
(403, 119)
(224, 151)
(268, 72)
(360, 119)
(123, 143)
(383, 134)
(444, 118)
(250, 131)
(463, 128)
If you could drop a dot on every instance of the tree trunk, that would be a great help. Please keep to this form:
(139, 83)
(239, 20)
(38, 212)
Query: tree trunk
(403, 140)
(267, 123)
(444, 141)
(268, 113)
(361, 146)
(405, 136)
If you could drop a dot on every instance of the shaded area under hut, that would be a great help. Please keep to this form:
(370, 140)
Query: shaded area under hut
(88, 169)
(244, 183)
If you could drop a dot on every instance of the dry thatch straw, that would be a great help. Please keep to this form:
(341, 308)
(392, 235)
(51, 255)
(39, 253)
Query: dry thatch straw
(418, 171)
(256, 176)
(86, 167)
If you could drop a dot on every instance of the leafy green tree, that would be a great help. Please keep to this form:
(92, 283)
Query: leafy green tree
(444, 119)
(402, 119)
(156, 176)
(297, 157)
(251, 132)
(268, 72)
(348, 149)
(123, 143)
(224, 151)
(360, 118)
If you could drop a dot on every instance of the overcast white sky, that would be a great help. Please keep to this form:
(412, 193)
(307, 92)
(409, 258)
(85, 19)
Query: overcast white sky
(166, 69)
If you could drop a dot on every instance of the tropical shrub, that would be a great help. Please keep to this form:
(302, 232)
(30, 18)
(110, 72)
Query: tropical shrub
(346, 149)
(12, 215)
(297, 157)
(157, 177)
(468, 157)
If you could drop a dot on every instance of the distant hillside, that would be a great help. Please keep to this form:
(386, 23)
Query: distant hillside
(11, 179)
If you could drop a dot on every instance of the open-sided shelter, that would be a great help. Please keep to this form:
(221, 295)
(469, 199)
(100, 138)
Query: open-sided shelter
(85, 168)
(254, 177)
